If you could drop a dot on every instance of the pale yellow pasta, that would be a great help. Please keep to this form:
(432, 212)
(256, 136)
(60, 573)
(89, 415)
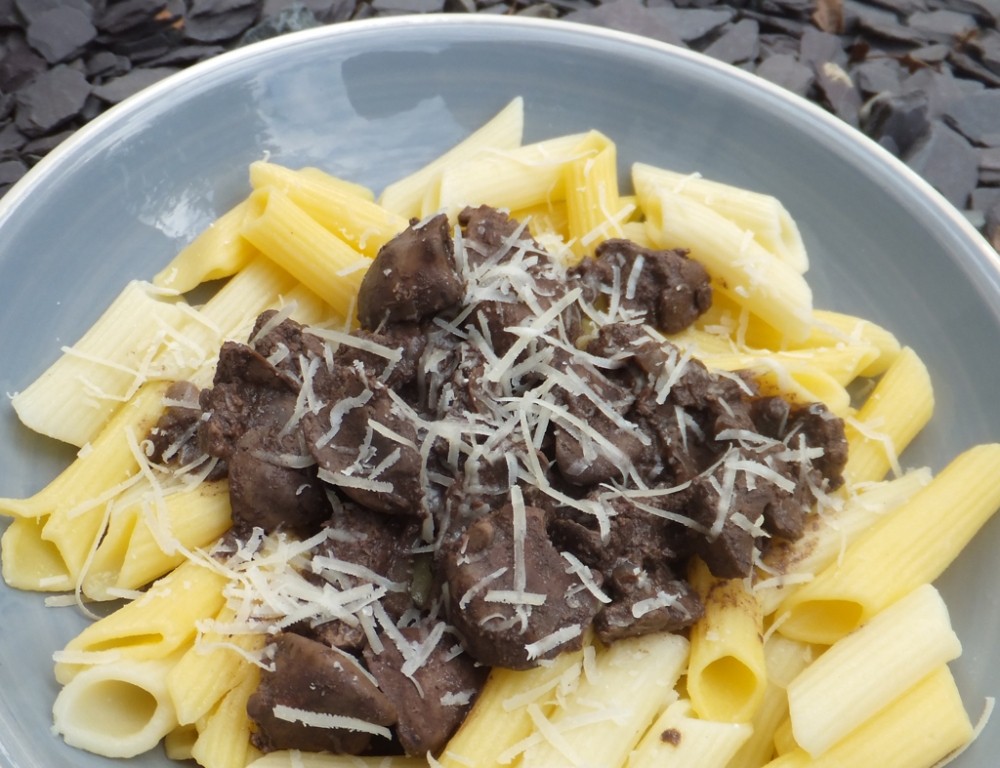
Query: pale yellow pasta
(224, 734)
(499, 719)
(833, 328)
(73, 504)
(504, 131)
(150, 537)
(917, 730)
(156, 625)
(210, 668)
(217, 252)
(866, 670)
(77, 395)
(594, 208)
(910, 546)
(726, 674)
(606, 716)
(784, 660)
(743, 270)
(30, 562)
(295, 759)
(763, 215)
(678, 739)
(523, 177)
(177, 744)
(826, 535)
(308, 251)
(897, 409)
(360, 223)
(116, 710)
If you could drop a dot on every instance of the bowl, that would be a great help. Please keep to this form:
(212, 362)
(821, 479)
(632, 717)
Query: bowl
(374, 100)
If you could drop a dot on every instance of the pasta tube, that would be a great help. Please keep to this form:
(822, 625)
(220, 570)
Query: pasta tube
(743, 270)
(726, 674)
(917, 730)
(909, 547)
(77, 395)
(153, 626)
(335, 204)
(298, 243)
(634, 678)
(678, 739)
(500, 718)
(763, 215)
(116, 710)
(868, 669)
(217, 252)
(897, 409)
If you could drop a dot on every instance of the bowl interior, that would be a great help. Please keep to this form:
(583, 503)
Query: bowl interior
(374, 100)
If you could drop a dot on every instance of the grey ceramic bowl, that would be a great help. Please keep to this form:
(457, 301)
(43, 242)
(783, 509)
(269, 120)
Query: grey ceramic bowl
(374, 100)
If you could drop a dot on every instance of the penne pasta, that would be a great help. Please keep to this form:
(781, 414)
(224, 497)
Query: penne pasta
(678, 739)
(726, 674)
(763, 215)
(296, 242)
(909, 547)
(218, 252)
(865, 671)
(917, 730)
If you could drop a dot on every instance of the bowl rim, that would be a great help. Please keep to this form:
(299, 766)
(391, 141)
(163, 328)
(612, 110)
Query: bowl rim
(234, 58)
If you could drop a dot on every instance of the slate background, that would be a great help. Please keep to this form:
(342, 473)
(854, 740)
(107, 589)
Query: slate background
(922, 77)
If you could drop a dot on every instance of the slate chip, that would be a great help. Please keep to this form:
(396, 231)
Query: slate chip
(903, 119)
(628, 16)
(740, 43)
(59, 33)
(785, 70)
(120, 88)
(946, 160)
(50, 100)
(977, 117)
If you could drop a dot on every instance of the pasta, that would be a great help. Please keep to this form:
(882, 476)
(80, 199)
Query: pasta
(812, 660)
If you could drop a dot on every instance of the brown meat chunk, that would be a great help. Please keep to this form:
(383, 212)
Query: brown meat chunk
(309, 676)
(480, 564)
(433, 698)
(412, 277)
(375, 468)
(670, 289)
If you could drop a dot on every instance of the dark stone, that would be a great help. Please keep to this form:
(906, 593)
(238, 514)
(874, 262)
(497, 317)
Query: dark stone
(106, 64)
(788, 72)
(43, 145)
(904, 119)
(50, 100)
(32, 10)
(60, 33)
(10, 172)
(989, 165)
(692, 24)
(19, 64)
(977, 117)
(966, 65)
(880, 23)
(948, 162)
(739, 43)
(878, 76)
(840, 91)
(984, 198)
(218, 21)
(409, 6)
(986, 46)
(941, 89)
(11, 141)
(185, 55)
(121, 17)
(120, 88)
(628, 16)
(991, 227)
(817, 48)
(942, 26)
